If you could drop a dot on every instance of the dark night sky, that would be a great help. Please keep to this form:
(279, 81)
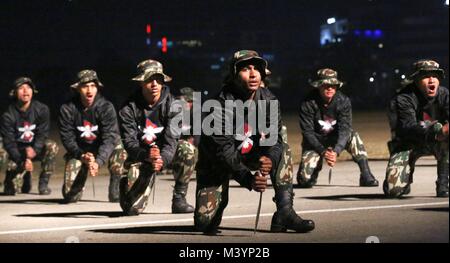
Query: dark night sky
(51, 40)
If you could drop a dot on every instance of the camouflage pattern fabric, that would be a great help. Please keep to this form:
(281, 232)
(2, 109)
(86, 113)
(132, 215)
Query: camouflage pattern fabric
(75, 176)
(286, 169)
(311, 162)
(184, 161)
(212, 200)
(76, 173)
(117, 160)
(48, 161)
(3, 155)
(209, 206)
(400, 168)
(137, 174)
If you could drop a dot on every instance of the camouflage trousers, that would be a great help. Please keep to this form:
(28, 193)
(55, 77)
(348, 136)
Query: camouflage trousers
(401, 165)
(76, 173)
(16, 175)
(141, 178)
(184, 161)
(312, 162)
(211, 200)
(3, 155)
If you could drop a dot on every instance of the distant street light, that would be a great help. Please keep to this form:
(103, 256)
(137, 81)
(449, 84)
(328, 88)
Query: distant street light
(372, 79)
(331, 20)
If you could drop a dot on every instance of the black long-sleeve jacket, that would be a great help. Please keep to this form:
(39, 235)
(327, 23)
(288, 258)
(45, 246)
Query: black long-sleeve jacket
(89, 130)
(220, 156)
(412, 116)
(25, 129)
(142, 125)
(325, 126)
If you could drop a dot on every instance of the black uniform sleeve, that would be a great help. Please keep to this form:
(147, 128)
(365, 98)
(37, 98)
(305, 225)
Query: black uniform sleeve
(227, 153)
(42, 129)
(129, 133)
(171, 136)
(306, 117)
(67, 131)
(109, 132)
(274, 152)
(7, 126)
(344, 123)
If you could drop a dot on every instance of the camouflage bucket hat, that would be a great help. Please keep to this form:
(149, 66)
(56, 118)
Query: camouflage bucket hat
(148, 68)
(19, 82)
(424, 66)
(327, 77)
(86, 76)
(187, 93)
(242, 56)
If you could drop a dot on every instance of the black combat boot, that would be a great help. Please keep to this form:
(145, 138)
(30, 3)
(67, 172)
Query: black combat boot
(9, 188)
(43, 188)
(366, 178)
(179, 203)
(285, 217)
(113, 194)
(26, 186)
(442, 180)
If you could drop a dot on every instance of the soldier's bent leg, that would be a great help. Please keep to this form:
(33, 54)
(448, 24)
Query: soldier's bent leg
(116, 170)
(48, 166)
(286, 168)
(210, 203)
(3, 156)
(285, 217)
(14, 178)
(75, 176)
(309, 169)
(183, 168)
(399, 173)
(356, 148)
(442, 155)
(135, 188)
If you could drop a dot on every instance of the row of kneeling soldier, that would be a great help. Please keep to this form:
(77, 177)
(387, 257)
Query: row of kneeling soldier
(140, 141)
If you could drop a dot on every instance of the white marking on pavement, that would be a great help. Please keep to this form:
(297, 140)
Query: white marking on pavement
(186, 220)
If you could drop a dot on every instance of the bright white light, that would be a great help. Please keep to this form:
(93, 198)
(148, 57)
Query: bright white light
(339, 39)
(446, 2)
(380, 45)
(205, 92)
(403, 77)
(331, 20)
(371, 79)
(397, 71)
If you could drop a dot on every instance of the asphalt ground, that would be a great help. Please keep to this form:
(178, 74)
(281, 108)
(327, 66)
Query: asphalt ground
(342, 211)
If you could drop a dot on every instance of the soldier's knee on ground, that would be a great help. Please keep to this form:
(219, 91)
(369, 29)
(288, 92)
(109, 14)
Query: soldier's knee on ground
(209, 207)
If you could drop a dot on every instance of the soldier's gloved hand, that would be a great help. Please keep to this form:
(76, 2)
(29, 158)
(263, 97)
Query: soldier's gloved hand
(443, 133)
(28, 165)
(265, 165)
(259, 182)
(330, 157)
(29, 151)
